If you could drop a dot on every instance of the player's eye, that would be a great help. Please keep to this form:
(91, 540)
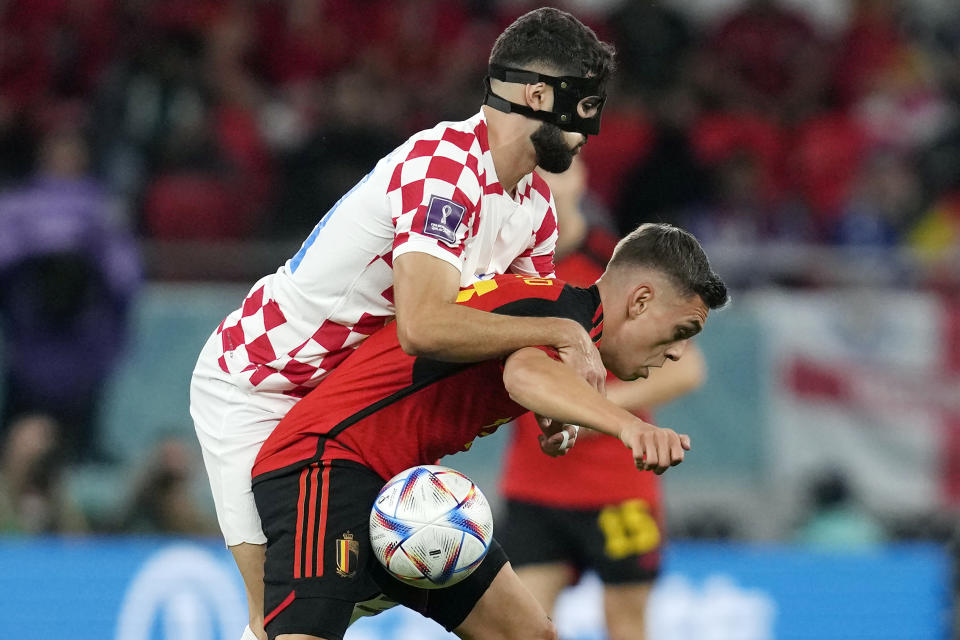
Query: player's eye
(588, 107)
(684, 333)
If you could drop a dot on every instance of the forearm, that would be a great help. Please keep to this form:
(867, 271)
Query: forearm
(430, 323)
(551, 389)
(457, 333)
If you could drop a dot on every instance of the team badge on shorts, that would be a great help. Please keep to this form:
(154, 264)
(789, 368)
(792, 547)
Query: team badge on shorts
(348, 555)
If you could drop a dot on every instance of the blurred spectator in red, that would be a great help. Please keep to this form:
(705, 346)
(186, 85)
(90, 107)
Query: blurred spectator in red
(162, 499)
(718, 135)
(432, 46)
(824, 157)
(68, 272)
(195, 194)
(871, 43)
(54, 49)
(764, 59)
(304, 40)
(32, 496)
(50, 50)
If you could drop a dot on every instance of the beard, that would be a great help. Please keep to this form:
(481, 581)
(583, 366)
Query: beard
(553, 154)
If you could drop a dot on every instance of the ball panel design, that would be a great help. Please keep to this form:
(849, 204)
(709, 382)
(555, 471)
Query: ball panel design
(430, 526)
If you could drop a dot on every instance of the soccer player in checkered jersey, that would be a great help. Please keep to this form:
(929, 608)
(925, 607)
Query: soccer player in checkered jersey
(453, 204)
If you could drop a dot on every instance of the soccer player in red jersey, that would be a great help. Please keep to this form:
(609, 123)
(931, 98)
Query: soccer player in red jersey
(590, 510)
(454, 203)
(382, 411)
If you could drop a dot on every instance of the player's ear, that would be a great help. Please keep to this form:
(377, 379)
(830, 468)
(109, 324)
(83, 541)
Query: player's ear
(639, 300)
(537, 95)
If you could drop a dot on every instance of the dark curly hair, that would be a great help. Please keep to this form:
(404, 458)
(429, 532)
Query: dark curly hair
(554, 39)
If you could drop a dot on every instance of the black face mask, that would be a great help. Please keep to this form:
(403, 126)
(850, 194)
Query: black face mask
(577, 102)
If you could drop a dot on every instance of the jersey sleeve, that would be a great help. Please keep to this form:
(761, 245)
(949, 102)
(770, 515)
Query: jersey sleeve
(434, 197)
(537, 259)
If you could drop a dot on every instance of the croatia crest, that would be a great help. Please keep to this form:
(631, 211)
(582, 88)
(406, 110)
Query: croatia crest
(348, 554)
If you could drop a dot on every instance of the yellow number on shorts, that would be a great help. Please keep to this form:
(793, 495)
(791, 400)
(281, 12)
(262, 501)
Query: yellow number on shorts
(628, 529)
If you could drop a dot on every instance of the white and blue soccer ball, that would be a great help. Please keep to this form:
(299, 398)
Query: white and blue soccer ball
(430, 526)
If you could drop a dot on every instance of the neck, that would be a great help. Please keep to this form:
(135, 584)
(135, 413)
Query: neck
(510, 147)
(604, 288)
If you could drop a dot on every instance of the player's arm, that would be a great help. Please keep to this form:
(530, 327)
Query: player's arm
(431, 324)
(673, 380)
(549, 388)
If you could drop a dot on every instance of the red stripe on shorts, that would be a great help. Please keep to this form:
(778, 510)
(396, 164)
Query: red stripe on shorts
(283, 605)
(298, 539)
(323, 518)
(311, 520)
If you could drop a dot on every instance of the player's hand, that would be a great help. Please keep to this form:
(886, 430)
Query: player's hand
(654, 448)
(556, 438)
(579, 352)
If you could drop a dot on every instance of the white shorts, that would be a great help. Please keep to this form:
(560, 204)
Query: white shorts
(232, 421)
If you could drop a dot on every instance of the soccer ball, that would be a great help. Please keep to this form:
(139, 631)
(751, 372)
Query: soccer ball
(430, 526)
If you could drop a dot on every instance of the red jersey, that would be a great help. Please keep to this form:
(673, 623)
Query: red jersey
(599, 470)
(390, 411)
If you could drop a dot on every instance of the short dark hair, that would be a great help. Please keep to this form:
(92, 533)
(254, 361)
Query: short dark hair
(675, 253)
(555, 39)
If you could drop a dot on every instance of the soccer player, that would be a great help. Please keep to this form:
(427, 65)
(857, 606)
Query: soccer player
(383, 411)
(590, 509)
(453, 204)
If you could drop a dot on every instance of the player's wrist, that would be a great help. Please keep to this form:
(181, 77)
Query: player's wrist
(630, 428)
(568, 333)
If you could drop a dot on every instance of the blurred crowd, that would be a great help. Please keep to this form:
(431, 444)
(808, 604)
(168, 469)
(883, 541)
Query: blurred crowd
(747, 121)
(160, 496)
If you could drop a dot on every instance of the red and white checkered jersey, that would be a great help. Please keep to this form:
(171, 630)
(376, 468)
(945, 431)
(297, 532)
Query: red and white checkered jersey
(438, 193)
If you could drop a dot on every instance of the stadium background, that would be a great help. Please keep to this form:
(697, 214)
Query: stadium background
(814, 147)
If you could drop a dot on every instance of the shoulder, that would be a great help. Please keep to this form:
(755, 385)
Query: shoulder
(446, 151)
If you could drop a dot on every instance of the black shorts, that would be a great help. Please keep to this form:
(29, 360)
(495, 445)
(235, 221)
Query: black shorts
(319, 562)
(620, 542)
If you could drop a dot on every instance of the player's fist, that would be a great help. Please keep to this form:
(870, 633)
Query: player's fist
(556, 438)
(654, 448)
